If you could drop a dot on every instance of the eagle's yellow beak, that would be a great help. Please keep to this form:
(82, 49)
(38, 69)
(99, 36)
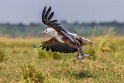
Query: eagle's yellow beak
(44, 32)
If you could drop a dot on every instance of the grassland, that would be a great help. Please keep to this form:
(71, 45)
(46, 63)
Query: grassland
(20, 63)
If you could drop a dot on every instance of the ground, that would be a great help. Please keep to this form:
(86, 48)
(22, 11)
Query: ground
(20, 63)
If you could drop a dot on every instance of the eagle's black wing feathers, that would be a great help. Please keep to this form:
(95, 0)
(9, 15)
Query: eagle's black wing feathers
(56, 46)
(47, 19)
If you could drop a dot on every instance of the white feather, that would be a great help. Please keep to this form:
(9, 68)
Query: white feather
(53, 33)
(73, 34)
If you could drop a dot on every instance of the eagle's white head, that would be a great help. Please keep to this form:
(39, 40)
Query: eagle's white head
(50, 31)
(53, 33)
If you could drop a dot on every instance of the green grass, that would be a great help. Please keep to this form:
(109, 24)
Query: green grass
(20, 63)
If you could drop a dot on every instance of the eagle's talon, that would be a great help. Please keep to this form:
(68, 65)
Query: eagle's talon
(82, 56)
(79, 57)
(85, 55)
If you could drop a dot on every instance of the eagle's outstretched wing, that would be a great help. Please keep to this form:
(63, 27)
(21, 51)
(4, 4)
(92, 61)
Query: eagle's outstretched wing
(47, 19)
(55, 46)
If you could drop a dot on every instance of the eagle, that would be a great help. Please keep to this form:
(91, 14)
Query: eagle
(62, 40)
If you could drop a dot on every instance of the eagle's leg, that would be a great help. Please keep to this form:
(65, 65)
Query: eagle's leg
(84, 55)
(77, 56)
(81, 55)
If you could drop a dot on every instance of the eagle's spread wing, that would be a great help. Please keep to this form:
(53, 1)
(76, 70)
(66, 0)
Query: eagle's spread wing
(57, 46)
(47, 19)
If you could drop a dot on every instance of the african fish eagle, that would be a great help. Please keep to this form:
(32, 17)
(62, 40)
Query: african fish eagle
(62, 41)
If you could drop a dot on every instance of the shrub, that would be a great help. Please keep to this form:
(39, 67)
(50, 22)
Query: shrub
(2, 55)
(30, 74)
(39, 78)
(57, 56)
(42, 54)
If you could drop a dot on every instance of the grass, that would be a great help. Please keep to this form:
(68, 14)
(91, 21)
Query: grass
(20, 63)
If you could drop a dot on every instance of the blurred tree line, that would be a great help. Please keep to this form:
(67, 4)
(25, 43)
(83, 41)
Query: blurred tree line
(84, 29)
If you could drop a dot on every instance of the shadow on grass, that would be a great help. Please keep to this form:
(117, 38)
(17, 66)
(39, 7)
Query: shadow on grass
(84, 74)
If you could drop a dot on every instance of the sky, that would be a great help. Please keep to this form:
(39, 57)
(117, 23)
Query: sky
(27, 11)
